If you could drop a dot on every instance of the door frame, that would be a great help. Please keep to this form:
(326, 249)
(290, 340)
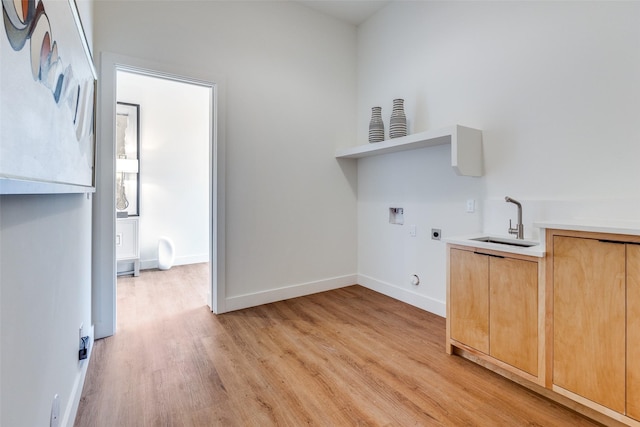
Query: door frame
(103, 288)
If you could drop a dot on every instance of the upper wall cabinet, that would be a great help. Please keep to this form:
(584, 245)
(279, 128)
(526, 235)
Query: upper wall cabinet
(466, 147)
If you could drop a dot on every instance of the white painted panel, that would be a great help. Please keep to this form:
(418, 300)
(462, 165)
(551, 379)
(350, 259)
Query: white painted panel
(127, 238)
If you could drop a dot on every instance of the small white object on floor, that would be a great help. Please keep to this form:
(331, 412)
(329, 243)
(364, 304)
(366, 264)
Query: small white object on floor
(166, 253)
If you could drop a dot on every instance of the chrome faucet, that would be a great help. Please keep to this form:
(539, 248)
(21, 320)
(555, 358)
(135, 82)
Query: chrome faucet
(519, 228)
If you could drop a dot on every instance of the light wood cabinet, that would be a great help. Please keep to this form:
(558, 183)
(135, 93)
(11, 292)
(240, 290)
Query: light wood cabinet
(493, 308)
(566, 325)
(469, 299)
(589, 319)
(596, 320)
(513, 314)
(633, 331)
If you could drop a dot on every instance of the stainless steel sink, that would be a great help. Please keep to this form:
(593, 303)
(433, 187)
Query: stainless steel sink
(506, 241)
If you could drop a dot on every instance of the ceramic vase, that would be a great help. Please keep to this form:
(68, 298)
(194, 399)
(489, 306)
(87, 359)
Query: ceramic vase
(398, 122)
(376, 126)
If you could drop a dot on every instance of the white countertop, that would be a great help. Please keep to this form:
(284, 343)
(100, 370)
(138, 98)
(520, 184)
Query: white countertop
(581, 224)
(593, 226)
(536, 251)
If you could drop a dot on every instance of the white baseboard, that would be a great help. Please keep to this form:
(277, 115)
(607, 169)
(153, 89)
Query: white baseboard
(148, 264)
(287, 292)
(429, 304)
(76, 393)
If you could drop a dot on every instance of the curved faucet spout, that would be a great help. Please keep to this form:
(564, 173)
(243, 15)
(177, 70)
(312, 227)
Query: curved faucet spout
(518, 230)
(510, 200)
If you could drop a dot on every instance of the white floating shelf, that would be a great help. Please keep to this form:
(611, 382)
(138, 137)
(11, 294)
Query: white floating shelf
(466, 147)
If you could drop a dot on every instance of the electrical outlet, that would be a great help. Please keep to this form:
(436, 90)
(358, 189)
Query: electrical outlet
(54, 421)
(471, 205)
(83, 351)
(436, 233)
(413, 231)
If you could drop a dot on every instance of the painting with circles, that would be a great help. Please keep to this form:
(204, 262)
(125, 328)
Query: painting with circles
(47, 82)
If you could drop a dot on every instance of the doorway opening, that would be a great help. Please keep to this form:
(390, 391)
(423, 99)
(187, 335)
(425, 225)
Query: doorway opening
(173, 171)
(162, 172)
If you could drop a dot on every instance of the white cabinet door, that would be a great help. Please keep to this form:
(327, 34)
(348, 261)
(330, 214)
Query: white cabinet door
(127, 238)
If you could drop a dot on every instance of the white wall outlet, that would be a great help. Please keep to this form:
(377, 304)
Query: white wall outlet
(81, 331)
(55, 412)
(413, 231)
(471, 205)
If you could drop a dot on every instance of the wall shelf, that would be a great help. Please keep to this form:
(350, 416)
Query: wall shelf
(466, 147)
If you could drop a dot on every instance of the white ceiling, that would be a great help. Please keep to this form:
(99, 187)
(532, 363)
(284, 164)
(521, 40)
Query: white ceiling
(352, 11)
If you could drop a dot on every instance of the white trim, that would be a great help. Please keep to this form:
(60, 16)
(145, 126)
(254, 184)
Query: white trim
(103, 265)
(429, 304)
(287, 292)
(9, 185)
(83, 37)
(103, 260)
(183, 260)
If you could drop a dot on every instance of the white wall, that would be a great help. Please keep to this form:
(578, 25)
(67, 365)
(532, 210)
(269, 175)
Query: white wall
(45, 280)
(45, 295)
(290, 90)
(555, 86)
(174, 165)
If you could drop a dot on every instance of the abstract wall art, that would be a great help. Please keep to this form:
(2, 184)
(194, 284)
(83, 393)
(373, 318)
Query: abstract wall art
(47, 102)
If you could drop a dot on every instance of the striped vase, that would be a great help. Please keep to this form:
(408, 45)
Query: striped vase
(376, 126)
(398, 123)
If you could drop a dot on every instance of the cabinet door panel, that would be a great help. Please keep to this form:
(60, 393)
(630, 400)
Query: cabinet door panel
(469, 293)
(127, 238)
(633, 331)
(514, 312)
(589, 319)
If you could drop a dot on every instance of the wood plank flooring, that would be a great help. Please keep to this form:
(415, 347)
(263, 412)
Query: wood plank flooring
(349, 357)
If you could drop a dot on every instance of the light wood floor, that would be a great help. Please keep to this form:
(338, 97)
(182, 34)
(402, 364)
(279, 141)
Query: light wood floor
(349, 357)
